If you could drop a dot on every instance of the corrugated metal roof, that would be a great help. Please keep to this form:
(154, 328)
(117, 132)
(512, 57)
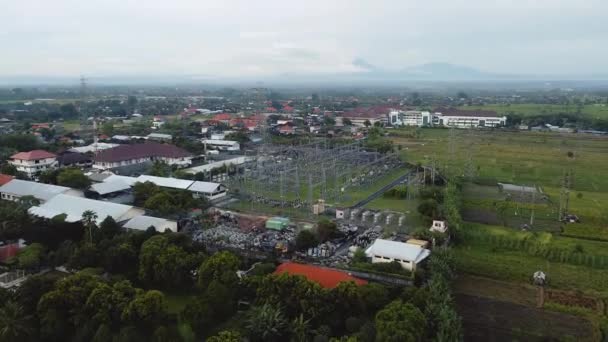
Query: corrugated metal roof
(144, 222)
(110, 187)
(73, 207)
(204, 187)
(40, 191)
(166, 182)
(397, 250)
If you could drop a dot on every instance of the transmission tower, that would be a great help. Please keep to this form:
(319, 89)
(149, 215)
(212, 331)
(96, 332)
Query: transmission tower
(86, 129)
(564, 196)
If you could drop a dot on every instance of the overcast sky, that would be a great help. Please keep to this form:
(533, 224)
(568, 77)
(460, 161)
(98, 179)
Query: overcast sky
(270, 37)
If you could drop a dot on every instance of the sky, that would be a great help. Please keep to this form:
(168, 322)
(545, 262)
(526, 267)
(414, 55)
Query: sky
(261, 38)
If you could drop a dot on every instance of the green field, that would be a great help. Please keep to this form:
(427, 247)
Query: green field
(599, 111)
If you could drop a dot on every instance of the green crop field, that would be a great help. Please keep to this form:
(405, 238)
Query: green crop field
(596, 111)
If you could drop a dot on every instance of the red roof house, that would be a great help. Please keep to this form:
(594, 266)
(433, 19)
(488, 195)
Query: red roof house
(286, 129)
(33, 155)
(326, 277)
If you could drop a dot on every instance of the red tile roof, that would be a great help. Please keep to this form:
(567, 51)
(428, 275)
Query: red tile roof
(326, 277)
(5, 178)
(222, 117)
(33, 155)
(136, 151)
(368, 112)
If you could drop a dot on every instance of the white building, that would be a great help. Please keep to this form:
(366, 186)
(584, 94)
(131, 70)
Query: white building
(18, 188)
(406, 254)
(33, 162)
(467, 118)
(223, 145)
(410, 118)
(439, 226)
(209, 190)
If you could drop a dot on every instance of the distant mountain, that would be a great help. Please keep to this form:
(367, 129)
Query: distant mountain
(446, 71)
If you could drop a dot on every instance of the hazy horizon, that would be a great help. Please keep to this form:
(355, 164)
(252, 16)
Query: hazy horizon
(214, 40)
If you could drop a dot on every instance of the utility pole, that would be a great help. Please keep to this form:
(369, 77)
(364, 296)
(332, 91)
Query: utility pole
(533, 206)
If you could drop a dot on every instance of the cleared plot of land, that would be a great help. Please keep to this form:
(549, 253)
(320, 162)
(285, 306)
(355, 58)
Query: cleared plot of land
(486, 319)
(598, 111)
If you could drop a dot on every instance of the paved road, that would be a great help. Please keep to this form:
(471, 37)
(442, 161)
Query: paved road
(382, 190)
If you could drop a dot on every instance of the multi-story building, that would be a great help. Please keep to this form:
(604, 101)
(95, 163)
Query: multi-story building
(125, 155)
(449, 117)
(410, 118)
(452, 117)
(33, 162)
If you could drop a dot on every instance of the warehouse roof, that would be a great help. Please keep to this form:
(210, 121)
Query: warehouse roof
(144, 222)
(472, 112)
(40, 191)
(204, 187)
(397, 250)
(166, 182)
(326, 277)
(74, 207)
(110, 187)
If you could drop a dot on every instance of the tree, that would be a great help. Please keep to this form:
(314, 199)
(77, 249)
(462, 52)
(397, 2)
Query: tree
(89, 220)
(162, 203)
(300, 329)
(429, 208)
(108, 128)
(347, 122)
(221, 267)
(8, 169)
(73, 178)
(165, 264)
(306, 239)
(30, 257)
(400, 322)
(226, 336)
(147, 311)
(14, 324)
(266, 323)
(120, 258)
(109, 228)
(367, 123)
(143, 191)
(326, 229)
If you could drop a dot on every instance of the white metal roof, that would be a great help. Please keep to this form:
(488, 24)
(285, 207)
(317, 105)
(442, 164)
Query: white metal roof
(204, 187)
(144, 222)
(118, 178)
(93, 147)
(40, 191)
(73, 207)
(110, 187)
(221, 142)
(211, 166)
(160, 136)
(166, 182)
(397, 250)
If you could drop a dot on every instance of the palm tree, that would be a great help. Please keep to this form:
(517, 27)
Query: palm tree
(299, 329)
(89, 220)
(13, 325)
(266, 323)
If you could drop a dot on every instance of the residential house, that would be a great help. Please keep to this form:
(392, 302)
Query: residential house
(33, 162)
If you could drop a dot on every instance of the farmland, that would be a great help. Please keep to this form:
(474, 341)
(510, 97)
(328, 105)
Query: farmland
(595, 111)
(493, 245)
